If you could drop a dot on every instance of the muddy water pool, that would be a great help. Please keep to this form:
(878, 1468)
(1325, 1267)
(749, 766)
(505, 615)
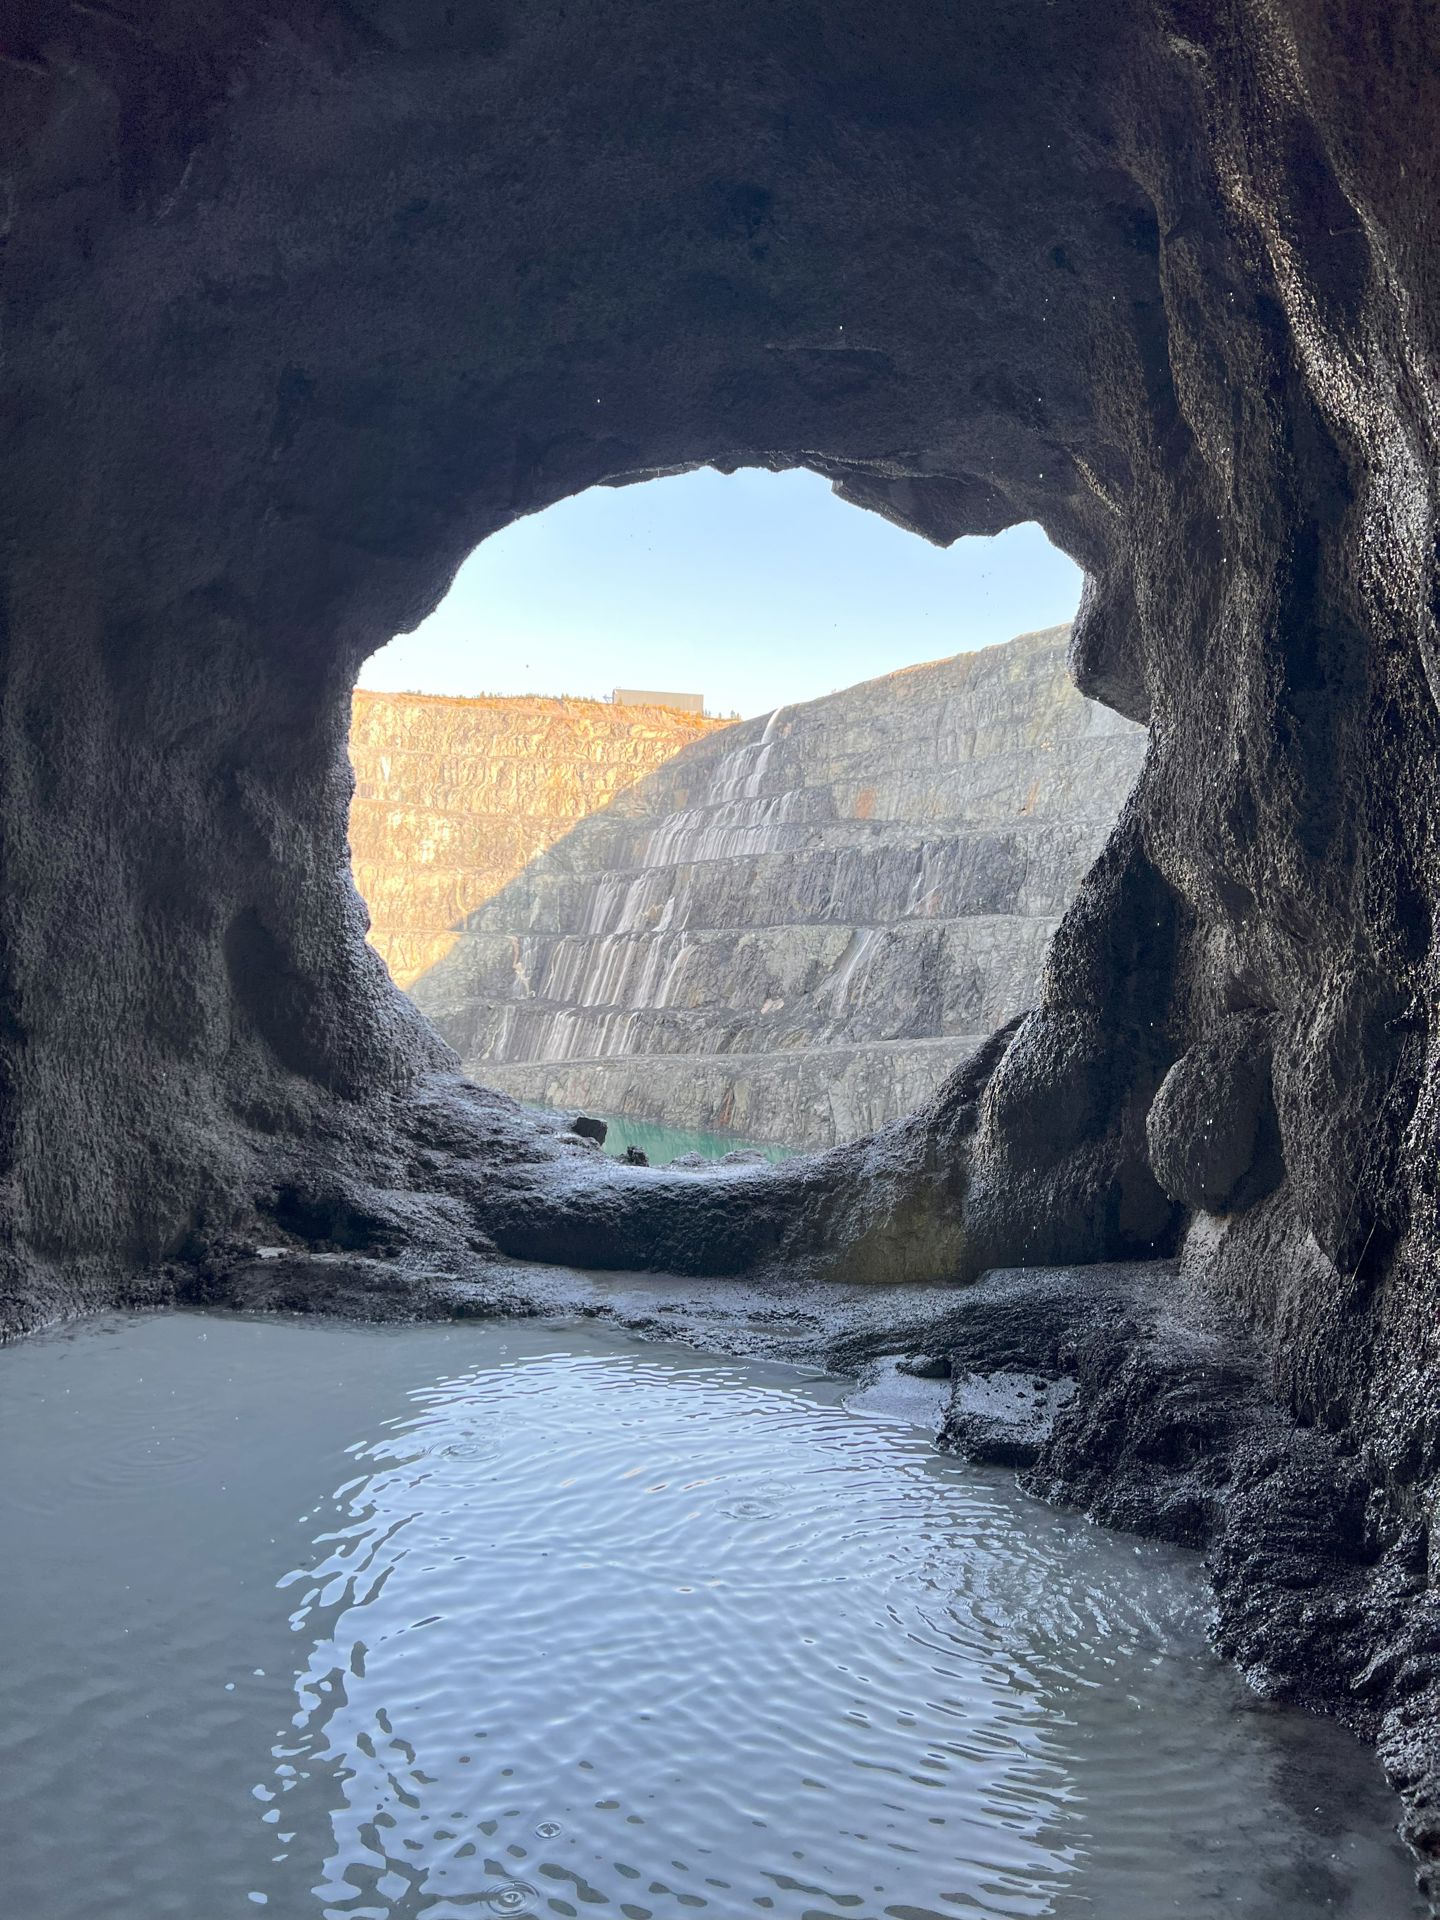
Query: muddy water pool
(531, 1619)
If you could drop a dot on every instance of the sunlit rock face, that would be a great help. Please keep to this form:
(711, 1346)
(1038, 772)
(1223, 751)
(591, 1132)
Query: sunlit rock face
(798, 928)
(453, 797)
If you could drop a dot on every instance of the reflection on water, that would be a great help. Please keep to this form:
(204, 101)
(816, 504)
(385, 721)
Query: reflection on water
(520, 1620)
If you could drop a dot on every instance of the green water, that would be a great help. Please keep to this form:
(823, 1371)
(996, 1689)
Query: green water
(662, 1144)
(665, 1143)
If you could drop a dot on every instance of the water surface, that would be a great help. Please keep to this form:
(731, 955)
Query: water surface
(661, 1144)
(532, 1620)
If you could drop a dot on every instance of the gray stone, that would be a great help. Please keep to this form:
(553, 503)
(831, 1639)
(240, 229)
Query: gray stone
(1212, 1132)
(925, 1366)
(1002, 1419)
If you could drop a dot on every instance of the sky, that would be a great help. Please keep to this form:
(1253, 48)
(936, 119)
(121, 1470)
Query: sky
(754, 589)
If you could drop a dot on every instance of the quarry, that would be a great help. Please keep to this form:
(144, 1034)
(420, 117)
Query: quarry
(795, 929)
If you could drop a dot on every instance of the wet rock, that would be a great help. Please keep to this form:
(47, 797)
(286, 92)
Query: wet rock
(635, 1157)
(1212, 1131)
(887, 1390)
(1002, 1419)
(590, 1129)
(925, 1366)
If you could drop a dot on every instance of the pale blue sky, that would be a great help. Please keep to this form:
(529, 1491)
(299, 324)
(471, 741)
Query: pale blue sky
(755, 589)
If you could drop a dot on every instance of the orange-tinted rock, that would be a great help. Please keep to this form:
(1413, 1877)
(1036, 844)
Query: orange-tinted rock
(453, 797)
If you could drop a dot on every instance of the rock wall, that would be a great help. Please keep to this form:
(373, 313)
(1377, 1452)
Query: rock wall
(454, 796)
(798, 928)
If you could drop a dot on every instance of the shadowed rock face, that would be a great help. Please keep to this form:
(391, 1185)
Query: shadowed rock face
(797, 930)
(302, 301)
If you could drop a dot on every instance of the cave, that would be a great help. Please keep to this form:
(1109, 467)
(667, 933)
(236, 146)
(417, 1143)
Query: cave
(303, 302)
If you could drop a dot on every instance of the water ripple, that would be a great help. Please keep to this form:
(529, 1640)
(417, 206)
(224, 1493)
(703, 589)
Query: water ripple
(437, 1624)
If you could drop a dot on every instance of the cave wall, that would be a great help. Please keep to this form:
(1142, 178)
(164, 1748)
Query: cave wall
(303, 301)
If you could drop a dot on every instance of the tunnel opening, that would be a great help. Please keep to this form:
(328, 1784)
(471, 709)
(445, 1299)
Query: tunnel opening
(769, 941)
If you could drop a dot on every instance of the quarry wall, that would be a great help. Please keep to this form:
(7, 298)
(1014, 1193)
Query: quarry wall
(796, 927)
(454, 796)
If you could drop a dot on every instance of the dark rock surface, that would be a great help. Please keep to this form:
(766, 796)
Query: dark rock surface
(303, 300)
(1212, 1131)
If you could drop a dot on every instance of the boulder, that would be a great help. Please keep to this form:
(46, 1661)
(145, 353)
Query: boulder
(1212, 1132)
